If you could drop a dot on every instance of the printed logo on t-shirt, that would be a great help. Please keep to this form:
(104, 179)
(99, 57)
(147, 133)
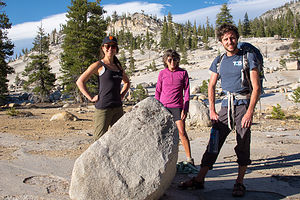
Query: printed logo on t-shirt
(238, 63)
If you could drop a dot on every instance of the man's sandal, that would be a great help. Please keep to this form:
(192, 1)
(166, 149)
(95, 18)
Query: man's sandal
(192, 184)
(239, 190)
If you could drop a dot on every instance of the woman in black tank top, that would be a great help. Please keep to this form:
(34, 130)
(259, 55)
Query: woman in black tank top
(108, 101)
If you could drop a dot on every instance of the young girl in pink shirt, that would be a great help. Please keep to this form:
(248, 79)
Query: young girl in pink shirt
(173, 91)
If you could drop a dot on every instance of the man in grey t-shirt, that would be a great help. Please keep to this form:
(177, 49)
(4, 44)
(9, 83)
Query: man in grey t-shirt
(237, 108)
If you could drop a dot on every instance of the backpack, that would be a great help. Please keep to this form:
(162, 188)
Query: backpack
(246, 48)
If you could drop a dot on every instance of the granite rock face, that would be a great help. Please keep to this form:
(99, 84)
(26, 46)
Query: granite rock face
(198, 114)
(135, 159)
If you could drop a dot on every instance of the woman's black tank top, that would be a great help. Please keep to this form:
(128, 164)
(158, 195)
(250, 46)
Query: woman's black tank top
(109, 84)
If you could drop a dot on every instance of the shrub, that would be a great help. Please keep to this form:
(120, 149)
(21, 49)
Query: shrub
(12, 112)
(139, 93)
(296, 95)
(277, 112)
(282, 62)
(204, 87)
(152, 66)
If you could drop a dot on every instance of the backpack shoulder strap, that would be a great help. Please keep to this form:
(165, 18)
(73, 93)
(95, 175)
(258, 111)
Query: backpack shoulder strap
(221, 57)
(245, 59)
(246, 69)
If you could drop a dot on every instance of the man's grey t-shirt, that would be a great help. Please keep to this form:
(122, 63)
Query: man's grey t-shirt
(230, 72)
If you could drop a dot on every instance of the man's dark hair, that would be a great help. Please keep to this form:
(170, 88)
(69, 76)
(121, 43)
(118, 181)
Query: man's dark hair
(224, 28)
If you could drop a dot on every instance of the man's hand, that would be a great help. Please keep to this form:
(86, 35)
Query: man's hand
(247, 120)
(248, 117)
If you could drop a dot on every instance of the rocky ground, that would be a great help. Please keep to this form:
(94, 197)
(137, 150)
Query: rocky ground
(37, 155)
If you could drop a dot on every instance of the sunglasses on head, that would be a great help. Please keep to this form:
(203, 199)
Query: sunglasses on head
(113, 46)
(174, 60)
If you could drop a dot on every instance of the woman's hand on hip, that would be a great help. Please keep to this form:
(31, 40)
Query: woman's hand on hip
(94, 99)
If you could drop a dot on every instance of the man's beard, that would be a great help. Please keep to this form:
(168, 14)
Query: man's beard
(231, 51)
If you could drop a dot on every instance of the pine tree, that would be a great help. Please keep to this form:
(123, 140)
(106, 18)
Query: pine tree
(139, 93)
(123, 59)
(282, 62)
(41, 42)
(40, 80)
(18, 80)
(203, 30)
(297, 25)
(188, 35)
(257, 27)
(114, 17)
(84, 32)
(171, 33)
(6, 50)
(224, 16)
(170, 18)
(154, 67)
(295, 54)
(240, 26)
(131, 68)
(246, 26)
(211, 32)
(295, 45)
(205, 38)
(195, 37)
(261, 29)
(183, 59)
(180, 39)
(148, 39)
(53, 37)
(164, 35)
(289, 24)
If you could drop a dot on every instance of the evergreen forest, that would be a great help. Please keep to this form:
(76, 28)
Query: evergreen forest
(86, 27)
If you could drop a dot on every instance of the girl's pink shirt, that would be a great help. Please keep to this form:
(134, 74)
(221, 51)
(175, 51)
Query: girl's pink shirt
(170, 88)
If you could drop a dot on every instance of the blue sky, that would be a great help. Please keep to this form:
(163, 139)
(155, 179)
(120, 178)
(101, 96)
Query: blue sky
(26, 16)
(32, 10)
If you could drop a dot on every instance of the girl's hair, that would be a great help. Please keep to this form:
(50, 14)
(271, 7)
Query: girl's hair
(224, 28)
(170, 53)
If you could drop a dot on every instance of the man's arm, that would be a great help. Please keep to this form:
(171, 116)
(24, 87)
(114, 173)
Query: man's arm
(211, 96)
(248, 117)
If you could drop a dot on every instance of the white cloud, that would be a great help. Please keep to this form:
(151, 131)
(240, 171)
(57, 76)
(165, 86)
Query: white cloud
(238, 8)
(210, 2)
(29, 29)
(254, 8)
(132, 7)
(199, 15)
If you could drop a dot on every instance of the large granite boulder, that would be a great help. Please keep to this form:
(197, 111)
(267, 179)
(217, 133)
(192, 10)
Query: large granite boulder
(198, 114)
(135, 159)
